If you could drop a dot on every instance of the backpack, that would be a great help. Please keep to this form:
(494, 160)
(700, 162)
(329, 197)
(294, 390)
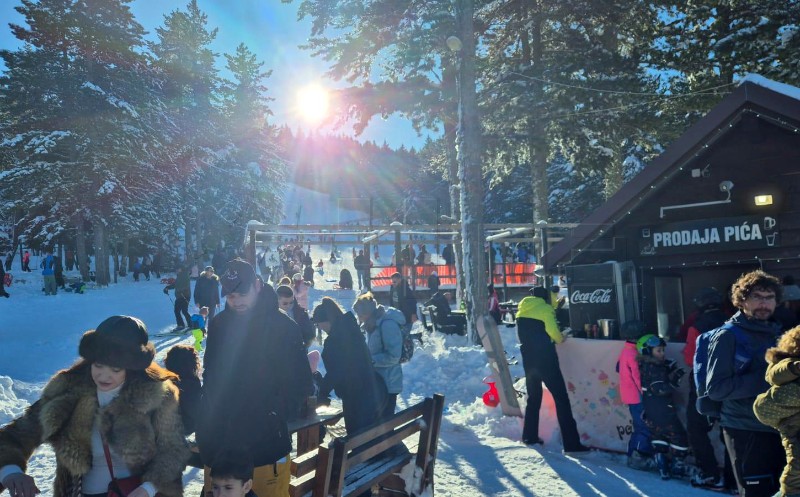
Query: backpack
(408, 345)
(743, 357)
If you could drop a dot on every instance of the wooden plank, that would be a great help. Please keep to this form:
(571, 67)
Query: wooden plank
(302, 485)
(368, 451)
(303, 464)
(490, 338)
(375, 430)
(323, 475)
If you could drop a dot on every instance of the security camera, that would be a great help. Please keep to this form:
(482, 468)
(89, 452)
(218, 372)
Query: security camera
(726, 186)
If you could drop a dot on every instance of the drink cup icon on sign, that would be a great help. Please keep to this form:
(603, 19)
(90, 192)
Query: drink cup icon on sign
(771, 239)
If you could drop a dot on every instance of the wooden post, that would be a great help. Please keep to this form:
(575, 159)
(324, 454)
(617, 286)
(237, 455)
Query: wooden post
(490, 338)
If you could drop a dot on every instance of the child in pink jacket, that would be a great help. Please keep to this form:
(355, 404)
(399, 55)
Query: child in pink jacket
(630, 389)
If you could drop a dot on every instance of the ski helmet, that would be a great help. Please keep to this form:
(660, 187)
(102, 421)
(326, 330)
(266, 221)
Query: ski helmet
(647, 343)
(707, 297)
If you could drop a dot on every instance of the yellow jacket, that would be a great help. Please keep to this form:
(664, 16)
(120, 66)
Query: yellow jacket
(537, 308)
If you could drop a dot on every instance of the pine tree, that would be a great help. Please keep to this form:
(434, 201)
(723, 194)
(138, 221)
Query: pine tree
(706, 46)
(80, 94)
(190, 90)
(248, 182)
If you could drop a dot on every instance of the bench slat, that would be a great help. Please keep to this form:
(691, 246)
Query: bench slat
(348, 466)
(379, 429)
(367, 452)
(303, 464)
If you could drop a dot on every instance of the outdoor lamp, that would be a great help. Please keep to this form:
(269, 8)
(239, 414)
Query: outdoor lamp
(763, 200)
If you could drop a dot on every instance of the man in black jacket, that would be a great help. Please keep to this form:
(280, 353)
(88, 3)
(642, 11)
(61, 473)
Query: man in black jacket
(206, 291)
(736, 368)
(256, 377)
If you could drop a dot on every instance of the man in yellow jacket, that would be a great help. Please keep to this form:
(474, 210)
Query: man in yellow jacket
(538, 333)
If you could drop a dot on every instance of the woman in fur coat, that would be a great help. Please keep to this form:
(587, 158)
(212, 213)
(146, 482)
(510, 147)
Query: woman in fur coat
(114, 395)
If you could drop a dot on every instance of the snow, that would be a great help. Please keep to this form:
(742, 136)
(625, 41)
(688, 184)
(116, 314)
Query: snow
(480, 452)
(783, 88)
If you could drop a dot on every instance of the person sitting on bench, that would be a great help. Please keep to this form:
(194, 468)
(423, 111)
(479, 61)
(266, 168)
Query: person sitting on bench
(442, 316)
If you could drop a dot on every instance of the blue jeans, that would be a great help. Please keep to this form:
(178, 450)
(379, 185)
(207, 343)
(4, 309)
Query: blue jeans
(640, 438)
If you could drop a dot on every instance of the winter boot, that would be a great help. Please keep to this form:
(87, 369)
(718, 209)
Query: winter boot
(642, 462)
(701, 480)
(662, 461)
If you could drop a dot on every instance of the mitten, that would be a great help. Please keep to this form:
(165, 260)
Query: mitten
(676, 378)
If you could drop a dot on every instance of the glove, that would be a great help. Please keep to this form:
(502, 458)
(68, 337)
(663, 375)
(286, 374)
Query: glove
(166, 292)
(676, 378)
(672, 365)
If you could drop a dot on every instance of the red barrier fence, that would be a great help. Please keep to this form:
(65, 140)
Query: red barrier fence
(517, 275)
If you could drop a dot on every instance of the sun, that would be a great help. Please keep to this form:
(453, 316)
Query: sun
(313, 102)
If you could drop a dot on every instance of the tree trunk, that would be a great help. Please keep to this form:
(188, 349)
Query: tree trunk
(450, 122)
(470, 175)
(100, 253)
(187, 236)
(124, 257)
(81, 257)
(115, 261)
(537, 145)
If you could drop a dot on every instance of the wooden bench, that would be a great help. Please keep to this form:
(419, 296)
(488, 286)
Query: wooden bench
(447, 329)
(350, 465)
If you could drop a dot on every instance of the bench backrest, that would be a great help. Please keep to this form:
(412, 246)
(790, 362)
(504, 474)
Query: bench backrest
(324, 472)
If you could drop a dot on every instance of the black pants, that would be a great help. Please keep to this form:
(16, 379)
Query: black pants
(391, 404)
(758, 459)
(182, 307)
(542, 366)
(697, 427)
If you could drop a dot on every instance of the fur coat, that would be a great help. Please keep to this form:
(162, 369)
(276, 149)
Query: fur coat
(142, 425)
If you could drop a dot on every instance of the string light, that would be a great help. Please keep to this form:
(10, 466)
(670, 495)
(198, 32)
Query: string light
(719, 132)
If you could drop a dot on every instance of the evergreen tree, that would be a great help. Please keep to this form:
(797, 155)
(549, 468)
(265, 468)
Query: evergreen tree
(705, 46)
(81, 97)
(190, 90)
(248, 182)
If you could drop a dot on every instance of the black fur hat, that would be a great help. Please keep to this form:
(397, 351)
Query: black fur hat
(120, 342)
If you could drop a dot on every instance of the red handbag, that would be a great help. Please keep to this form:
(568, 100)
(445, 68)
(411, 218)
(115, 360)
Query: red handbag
(119, 487)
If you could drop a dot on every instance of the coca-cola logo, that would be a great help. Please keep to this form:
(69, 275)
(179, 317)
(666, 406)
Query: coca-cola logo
(599, 296)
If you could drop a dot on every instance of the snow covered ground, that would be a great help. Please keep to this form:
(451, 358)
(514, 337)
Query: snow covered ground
(480, 452)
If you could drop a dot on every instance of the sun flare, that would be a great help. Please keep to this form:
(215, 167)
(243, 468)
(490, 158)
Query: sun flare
(312, 103)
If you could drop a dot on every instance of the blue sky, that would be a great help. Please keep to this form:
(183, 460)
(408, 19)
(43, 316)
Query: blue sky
(271, 30)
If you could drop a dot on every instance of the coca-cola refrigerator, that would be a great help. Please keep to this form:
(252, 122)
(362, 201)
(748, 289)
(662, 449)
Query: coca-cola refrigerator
(597, 292)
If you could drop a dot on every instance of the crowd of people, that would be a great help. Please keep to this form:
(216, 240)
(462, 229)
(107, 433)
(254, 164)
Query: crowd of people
(116, 415)
(744, 363)
(118, 421)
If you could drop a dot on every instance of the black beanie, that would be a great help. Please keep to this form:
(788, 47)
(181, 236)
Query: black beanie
(120, 342)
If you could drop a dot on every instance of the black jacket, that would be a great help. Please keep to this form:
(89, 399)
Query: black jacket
(439, 301)
(403, 299)
(657, 397)
(300, 317)
(190, 394)
(350, 373)
(256, 377)
(206, 290)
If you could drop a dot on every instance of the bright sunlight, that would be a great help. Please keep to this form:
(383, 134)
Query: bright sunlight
(312, 103)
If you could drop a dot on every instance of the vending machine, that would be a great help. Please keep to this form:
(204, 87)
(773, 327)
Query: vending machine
(601, 298)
